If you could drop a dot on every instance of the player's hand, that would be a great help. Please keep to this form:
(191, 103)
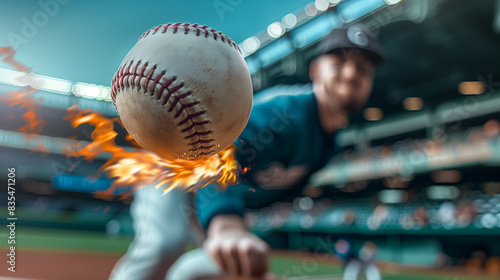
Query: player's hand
(234, 249)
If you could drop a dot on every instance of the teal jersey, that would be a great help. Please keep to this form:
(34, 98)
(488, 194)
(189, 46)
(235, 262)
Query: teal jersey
(280, 147)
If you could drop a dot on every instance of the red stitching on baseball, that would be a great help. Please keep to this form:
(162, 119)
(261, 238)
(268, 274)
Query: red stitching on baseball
(184, 95)
(214, 33)
(198, 30)
(140, 77)
(192, 125)
(166, 27)
(124, 77)
(221, 36)
(204, 147)
(189, 27)
(186, 28)
(165, 86)
(201, 141)
(128, 69)
(177, 99)
(204, 28)
(135, 73)
(197, 114)
(198, 134)
(209, 147)
(190, 104)
(187, 119)
(151, 72)
(176, 27)
(206, 154)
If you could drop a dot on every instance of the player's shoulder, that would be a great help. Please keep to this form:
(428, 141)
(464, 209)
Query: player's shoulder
(284, 96)
(291, 105)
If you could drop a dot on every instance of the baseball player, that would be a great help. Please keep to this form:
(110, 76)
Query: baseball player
(365, 261)
(161, 233)
(287, 138)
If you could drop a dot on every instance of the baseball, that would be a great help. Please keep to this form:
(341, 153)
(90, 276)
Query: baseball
(183, 91)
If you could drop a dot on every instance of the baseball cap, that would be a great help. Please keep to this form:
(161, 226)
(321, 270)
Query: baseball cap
(355, 36)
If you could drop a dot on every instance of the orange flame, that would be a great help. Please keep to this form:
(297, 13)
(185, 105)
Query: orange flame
(132, 141)
(40, 148)
(140, 168)
(9, 53)
(34, 124)
(131, 168)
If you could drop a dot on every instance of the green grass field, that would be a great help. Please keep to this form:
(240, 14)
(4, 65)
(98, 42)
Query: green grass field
(293, 266)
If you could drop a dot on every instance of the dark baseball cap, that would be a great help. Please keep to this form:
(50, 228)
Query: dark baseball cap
(355, 36)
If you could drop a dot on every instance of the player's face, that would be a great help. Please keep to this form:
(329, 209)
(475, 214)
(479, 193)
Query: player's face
(347, 78)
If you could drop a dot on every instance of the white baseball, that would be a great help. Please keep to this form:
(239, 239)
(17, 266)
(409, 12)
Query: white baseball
(183, 91)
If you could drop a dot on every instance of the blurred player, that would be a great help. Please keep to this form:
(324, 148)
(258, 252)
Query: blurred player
(162, 230)
(343, 250)
(365, 262)
(287, 138)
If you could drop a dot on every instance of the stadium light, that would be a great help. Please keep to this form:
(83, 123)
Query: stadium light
(9, 77)
(275, 29)
(311, 10)
(471, 88)
(442, 192)
(57, 85)
(373, 114)
(86, 90)
(314, 30)
(251, 44)
(289, 21)
(413, 103)
(105, 93)
(19, 78)
(303, 203)
(489, 220)
(392, 2)
(321, 5)
(350, 11)
(333, 2)
(392, 196)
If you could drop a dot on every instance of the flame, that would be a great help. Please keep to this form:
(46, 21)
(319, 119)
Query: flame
(136, 168)
(34, 123)
(140, 168)
(132, 141)
(23, 97)
(9, 54)
(40, 148)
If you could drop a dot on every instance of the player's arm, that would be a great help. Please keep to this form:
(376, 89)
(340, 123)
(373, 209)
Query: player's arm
(231, 245)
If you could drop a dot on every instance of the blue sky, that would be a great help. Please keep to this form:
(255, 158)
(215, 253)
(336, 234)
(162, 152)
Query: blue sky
(85, 41)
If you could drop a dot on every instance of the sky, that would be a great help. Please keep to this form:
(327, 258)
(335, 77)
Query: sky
(85, 41)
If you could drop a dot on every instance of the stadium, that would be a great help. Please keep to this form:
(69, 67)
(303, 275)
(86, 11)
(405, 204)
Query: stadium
(412, 190)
